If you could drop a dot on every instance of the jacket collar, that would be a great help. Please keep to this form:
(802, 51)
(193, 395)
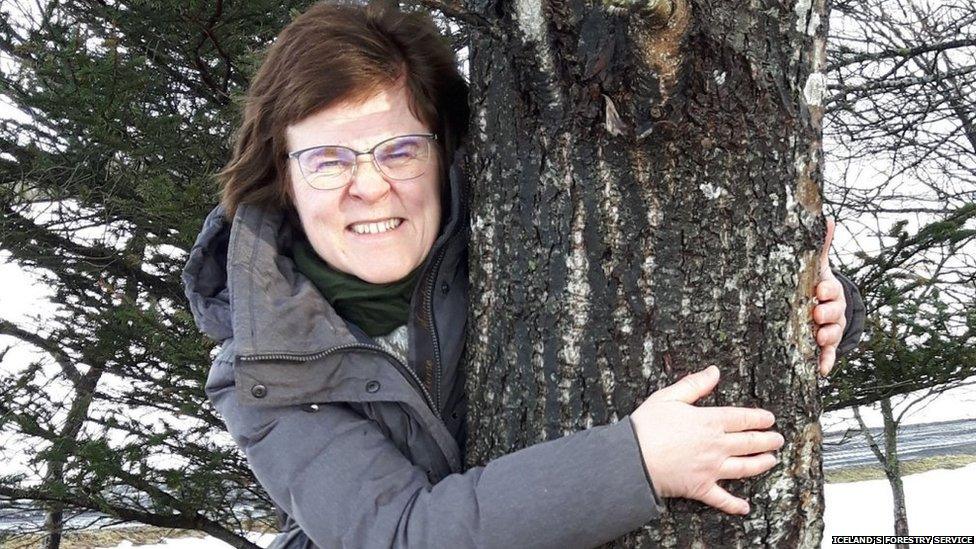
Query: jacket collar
(274, 309)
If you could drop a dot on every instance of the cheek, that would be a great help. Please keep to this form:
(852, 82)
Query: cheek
(432, 212)
(316, 211)
(432, 200)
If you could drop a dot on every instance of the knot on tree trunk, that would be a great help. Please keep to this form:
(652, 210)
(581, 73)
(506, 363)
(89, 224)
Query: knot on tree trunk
(658, 12)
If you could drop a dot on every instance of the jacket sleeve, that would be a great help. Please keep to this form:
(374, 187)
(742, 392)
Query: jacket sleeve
(346, 485)
(853, 314)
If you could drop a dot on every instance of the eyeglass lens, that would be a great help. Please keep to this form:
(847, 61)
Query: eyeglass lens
(402, 157)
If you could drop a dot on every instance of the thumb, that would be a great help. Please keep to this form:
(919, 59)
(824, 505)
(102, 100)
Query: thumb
(825, 252)
(691, 387)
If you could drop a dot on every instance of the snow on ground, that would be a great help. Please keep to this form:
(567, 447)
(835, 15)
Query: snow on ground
(196, 543)
(939, 503)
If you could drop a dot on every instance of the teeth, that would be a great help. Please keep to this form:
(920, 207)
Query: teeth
(378, 227)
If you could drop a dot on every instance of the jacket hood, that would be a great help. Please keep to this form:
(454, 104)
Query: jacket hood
(240, 284)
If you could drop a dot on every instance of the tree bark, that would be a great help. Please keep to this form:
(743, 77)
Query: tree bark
(646, 201)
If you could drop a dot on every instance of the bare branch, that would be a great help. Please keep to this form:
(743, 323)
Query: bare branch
(453, 10)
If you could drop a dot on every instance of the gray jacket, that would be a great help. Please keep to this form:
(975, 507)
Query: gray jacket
(361, 450)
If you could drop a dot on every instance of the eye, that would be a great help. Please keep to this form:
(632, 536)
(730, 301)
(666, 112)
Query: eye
(406, 148)
(403, 150)
(326, 159)
(326, 163)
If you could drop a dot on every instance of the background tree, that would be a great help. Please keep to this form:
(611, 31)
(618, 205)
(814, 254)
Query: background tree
(126, 109)
(901, 143)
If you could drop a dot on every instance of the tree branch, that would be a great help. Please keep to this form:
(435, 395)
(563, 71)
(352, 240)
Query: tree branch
(900, 52)
(867, 435)
(181, 521)
(452, 10)
(48, 346)
(45, 249)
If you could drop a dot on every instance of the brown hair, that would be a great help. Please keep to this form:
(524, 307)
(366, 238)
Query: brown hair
(332, 53)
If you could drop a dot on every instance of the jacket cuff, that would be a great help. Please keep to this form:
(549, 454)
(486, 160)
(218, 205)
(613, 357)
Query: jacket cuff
(650, 483)
(853, 314)
(630, 451)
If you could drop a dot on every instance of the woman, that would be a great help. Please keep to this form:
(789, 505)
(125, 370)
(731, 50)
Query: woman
(338, 287)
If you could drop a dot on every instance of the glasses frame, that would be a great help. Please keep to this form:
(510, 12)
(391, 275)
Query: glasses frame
(352, 173)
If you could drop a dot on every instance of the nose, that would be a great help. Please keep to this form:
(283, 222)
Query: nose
(368, 183)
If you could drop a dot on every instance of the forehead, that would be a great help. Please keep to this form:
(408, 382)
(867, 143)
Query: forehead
(359, 125)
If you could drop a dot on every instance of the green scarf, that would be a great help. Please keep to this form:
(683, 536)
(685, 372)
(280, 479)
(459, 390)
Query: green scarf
(376, 308)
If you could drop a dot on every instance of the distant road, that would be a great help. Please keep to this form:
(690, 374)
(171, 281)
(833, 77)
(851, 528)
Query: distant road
(914, 441)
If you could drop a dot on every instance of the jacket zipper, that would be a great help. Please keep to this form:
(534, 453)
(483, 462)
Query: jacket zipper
(406, 372)
(429, 302)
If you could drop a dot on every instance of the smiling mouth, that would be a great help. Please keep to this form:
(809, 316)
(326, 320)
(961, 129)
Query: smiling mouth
(376, 227)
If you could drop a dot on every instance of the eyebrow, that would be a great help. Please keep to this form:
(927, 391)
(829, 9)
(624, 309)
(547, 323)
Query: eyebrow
(375, 143)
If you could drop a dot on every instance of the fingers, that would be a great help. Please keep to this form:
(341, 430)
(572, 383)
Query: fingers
(746, 466)
(831, 312)
(752, 442)
(735, 419)
(691, 387)
(829, 334)
(825, 252)
(724, 501)
(829, 289)
(828, 355)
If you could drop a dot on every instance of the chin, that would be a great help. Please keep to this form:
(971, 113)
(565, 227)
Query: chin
(377, 274)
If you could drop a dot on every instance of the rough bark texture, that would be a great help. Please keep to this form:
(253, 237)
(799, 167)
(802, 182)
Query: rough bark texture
(646, 201)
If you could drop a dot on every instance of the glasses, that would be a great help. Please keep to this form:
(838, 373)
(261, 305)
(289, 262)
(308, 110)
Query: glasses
(329, 167)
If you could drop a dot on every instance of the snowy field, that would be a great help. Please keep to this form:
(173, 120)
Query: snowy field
(939, 504)
(194, 543)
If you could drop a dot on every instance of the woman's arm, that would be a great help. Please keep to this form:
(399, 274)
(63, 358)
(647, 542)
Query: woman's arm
(346, 485)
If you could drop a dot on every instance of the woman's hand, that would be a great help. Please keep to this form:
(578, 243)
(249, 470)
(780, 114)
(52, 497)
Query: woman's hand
(687, 449)
(831, 305)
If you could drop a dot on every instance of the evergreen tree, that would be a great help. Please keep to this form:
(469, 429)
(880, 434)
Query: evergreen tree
(127, 110)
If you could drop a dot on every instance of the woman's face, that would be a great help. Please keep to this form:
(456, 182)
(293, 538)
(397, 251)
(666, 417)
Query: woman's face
(328, 216)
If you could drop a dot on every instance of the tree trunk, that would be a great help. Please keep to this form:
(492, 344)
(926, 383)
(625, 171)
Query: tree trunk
(892, 468)
(646, 201)
(84, 390)
(53, 525)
